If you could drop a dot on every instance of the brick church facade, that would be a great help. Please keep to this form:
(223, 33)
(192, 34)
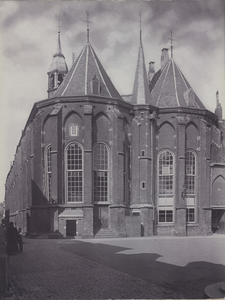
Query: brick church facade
(93, 163)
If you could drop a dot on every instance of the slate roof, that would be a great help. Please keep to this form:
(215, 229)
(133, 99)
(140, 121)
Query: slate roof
(58, 62)
(168, 86)
(86, 68)
(141, 94)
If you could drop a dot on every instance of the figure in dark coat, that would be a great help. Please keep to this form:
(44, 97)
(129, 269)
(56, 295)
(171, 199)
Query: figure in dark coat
(20, 240)
(11, 239)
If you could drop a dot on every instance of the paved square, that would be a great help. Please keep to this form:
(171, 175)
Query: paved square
(132, 268)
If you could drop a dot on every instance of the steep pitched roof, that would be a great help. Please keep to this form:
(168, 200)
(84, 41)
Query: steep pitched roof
(171, 89)
(78, 81)
(141, 94)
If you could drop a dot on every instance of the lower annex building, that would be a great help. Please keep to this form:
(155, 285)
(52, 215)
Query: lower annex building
(93, 163)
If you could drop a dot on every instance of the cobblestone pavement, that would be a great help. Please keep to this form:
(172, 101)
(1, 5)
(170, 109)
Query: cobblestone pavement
(110, 269)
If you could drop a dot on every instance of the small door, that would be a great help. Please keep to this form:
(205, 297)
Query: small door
(71, 227)
(217, 220)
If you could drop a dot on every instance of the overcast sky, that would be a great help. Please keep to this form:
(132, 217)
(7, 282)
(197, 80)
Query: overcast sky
(28, 40)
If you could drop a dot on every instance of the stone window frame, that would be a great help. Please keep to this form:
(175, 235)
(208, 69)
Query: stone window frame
(101, 169)
(166, 186)
(191, 186)
(74, 130)
(74, 173)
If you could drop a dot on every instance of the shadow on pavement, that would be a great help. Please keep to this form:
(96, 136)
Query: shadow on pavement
(189, 280)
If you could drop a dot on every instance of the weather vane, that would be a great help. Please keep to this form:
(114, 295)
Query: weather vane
(87, 21)
(171, 41)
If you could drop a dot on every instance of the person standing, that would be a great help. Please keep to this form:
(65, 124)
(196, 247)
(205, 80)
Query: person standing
(20, 240)
(11, 239)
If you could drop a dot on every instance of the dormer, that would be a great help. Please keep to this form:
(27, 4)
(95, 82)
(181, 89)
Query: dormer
(95, 86)
(189, 97)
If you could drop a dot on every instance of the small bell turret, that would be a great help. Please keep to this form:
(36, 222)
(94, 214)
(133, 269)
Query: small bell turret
(57, 70)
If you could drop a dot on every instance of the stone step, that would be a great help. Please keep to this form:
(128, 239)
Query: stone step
(105, 233)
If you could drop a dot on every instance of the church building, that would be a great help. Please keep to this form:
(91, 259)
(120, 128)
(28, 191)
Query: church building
(93, 163)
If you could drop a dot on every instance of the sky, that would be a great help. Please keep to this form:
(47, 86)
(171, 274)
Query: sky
(28, 41)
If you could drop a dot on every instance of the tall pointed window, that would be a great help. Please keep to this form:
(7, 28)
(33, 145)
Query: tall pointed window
(74, 173)
(190, 181)
(166, 187)
(48, 162)
(101, 172)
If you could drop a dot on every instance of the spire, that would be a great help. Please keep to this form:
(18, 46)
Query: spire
(140, 29)
(59, 49)
(141, 94)
(87, 21)
(171, 43)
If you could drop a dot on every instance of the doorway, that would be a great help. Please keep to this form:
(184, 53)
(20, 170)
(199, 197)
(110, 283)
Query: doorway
(71, 227)
(218, 221)
(101, 217)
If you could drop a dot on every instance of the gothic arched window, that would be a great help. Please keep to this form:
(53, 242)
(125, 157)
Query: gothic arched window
(190, 185)
(101, 172)
(166, 187)
(74, 173)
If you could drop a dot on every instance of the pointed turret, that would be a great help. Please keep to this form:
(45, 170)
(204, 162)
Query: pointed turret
(87, 77)
(58, 69)
(141, 94)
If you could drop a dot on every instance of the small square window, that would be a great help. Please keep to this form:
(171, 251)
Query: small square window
(74, 130)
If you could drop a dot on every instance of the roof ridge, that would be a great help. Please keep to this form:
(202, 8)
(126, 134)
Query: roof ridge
(175, 82)
(75, 67)
(141, 93)
(185, 82)
(86, 69)
(166, 66)
(182, 76)
(100, 72)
